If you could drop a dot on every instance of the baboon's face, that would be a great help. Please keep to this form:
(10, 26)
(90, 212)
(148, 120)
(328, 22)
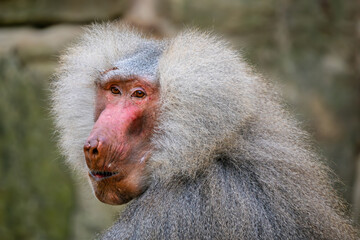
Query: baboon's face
(119, 145)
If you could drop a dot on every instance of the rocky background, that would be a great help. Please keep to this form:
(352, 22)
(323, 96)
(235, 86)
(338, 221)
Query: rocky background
(309, 48)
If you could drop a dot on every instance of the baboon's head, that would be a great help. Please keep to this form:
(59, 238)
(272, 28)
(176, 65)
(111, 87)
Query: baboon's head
(141, 110)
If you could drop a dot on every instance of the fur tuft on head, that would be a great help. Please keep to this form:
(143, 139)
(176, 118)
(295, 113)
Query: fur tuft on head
(217, 86)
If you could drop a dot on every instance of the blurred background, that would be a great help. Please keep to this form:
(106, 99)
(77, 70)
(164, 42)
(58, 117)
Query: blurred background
(311, 49)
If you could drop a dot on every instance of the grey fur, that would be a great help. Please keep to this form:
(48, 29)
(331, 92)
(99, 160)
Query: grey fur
(142, 63)
(229, 163)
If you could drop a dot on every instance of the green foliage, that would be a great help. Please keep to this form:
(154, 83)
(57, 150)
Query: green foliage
(36, 195)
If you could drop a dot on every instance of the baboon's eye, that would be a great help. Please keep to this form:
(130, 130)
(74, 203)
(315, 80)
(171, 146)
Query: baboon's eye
(115, 90)
(138, 94)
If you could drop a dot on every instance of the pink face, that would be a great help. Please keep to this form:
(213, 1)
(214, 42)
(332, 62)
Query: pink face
(119, 145)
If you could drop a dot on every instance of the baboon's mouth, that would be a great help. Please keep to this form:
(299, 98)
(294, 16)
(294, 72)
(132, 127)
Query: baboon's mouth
(99, 175)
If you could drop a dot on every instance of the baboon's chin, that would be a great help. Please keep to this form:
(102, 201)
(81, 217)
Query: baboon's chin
(110, 197)
(114, 190)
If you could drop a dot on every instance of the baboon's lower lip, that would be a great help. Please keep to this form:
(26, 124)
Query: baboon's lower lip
(100, 175)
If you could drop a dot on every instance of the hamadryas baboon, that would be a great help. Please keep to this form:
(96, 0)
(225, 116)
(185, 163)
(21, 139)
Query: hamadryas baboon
(194, 140)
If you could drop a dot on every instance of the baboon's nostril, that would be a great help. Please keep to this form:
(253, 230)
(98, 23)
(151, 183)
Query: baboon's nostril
(95, 151)
(91, 148)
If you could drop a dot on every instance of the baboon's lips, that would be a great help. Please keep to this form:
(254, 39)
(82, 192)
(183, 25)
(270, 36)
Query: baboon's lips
(99, 175)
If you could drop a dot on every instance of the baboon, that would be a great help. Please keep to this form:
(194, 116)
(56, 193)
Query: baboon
(195, 141)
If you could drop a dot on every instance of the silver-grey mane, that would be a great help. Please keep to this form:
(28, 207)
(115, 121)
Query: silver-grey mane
(229, 161)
